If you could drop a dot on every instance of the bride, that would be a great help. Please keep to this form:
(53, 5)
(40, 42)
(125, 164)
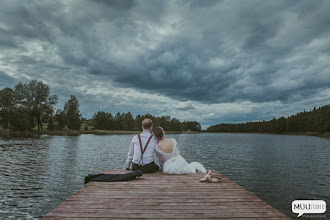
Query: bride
(167, 151)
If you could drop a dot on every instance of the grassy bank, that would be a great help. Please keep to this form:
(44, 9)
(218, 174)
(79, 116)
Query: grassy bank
(317, 134)
(31, 134)
(108, 132)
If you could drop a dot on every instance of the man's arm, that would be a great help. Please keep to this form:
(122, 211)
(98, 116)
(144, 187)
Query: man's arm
(130, 155)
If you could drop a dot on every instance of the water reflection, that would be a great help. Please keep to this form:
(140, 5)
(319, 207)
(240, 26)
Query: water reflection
(38, 174)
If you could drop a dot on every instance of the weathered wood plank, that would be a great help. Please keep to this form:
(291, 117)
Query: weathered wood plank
(218, 215)
(157, 211)
(157, 207)
(159, 196)
(93, 218)
(179, 205)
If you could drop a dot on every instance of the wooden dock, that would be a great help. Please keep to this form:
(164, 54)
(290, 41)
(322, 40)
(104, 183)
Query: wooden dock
(160, 196)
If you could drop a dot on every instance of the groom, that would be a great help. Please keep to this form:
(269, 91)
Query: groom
(141, 150)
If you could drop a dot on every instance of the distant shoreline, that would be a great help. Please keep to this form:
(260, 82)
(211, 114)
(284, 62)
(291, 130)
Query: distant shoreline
(29, 134)
(315, 134)
(134, 132)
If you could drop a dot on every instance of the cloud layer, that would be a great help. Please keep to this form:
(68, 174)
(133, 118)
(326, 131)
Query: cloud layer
(212, 61)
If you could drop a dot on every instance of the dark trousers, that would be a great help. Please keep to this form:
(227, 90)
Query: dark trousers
(148, 168)
(112, 177)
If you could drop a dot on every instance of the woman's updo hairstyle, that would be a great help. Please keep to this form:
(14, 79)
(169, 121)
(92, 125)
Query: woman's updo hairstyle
(159, 132)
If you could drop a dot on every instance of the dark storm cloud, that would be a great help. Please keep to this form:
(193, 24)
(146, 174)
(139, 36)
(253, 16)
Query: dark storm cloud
(241, 38)
(204, 51)
(185, 106)
(118, 4)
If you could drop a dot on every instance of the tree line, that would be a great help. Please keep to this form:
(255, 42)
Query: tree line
(30, 106)
(316, 120)
(126, 122)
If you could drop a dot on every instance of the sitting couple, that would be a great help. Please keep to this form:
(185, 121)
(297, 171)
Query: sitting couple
(144, 145)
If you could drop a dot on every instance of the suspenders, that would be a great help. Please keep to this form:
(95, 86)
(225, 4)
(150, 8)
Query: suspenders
(143, 150)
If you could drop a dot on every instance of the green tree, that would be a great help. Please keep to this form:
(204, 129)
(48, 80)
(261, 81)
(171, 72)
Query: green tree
(138, 122)
(103, 121)
(316, 120)
(164, 122)
(191, 126)
(7, 107)
(118, 122)
(51, 125)
(175, 125)
(34, 97)
(60, 120)
(130, 122)
(72, 114)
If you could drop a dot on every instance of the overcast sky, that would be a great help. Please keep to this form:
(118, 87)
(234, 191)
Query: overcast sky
(210, 61)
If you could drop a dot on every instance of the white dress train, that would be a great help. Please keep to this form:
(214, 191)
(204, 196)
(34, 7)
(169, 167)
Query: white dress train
(174, 163)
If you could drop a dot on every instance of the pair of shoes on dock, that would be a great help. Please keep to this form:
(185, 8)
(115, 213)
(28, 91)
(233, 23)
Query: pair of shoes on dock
(209, 178)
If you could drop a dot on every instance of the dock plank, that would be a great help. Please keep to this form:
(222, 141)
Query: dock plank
(159, 196)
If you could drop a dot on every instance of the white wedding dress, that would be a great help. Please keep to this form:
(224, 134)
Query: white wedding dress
(174, 163)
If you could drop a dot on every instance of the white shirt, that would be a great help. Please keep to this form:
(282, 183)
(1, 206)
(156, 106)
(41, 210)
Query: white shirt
(134, 153)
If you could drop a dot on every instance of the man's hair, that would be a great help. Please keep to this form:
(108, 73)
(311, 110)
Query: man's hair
(147, 123)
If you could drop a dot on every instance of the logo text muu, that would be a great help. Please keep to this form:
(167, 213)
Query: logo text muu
(308, 206)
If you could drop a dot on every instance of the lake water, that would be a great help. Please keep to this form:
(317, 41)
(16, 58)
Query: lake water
(38, 174)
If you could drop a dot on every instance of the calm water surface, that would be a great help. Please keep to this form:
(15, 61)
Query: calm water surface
(36, 175)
